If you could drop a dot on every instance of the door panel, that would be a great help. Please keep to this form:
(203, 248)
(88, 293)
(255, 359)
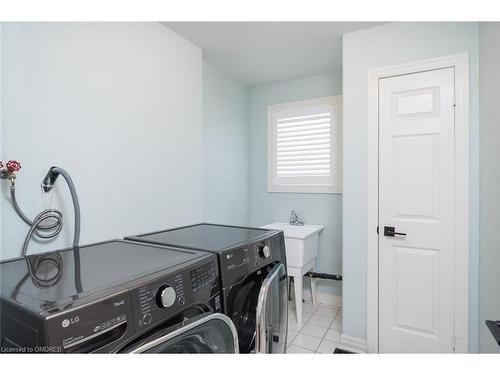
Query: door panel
(411, 264)
(415, 176)
(416, 195)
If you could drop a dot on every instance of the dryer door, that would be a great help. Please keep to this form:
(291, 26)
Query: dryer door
(272, 312)
(213, 333)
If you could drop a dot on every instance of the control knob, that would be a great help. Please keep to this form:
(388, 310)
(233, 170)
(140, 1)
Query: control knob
(265, 252)
(165, 296)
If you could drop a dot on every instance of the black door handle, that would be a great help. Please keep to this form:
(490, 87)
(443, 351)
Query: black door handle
(391, 232)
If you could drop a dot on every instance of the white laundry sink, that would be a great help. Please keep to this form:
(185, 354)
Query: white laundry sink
(301, 245)
(301, 242)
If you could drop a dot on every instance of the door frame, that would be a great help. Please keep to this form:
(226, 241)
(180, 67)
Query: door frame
(460, 63)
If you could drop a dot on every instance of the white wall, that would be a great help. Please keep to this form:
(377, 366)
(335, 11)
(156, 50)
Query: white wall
(267, 207)
(489, 93)
(377, 47)
(119, 105)
(225, 156)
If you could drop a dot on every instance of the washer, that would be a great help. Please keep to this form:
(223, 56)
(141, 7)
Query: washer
(113, 297)
(253, 278)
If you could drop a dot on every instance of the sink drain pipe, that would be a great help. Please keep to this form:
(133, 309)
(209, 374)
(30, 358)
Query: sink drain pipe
(314, 275)
(324, 276)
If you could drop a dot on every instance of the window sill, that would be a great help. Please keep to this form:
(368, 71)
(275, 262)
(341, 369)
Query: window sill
(290, 189)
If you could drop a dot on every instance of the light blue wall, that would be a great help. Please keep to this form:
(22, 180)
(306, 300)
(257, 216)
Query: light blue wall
(489, 85)
(225, 148)
(166, 132)
(267, 207)
(119, 105)
(377, 47)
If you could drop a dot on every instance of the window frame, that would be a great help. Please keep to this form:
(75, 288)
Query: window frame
(273, 183)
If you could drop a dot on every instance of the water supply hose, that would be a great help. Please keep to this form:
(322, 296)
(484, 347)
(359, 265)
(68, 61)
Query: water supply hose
(48, 223)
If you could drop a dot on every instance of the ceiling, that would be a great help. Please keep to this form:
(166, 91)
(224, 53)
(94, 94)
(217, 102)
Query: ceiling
(258, 53)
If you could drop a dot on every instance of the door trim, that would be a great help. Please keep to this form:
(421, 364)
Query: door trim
(460, 63)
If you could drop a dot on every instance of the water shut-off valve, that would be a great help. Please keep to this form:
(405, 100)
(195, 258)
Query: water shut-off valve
(9, 169)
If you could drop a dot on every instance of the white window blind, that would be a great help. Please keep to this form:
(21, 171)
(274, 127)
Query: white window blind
(304, 149)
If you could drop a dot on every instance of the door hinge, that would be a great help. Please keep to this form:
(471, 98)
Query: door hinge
(377, 230)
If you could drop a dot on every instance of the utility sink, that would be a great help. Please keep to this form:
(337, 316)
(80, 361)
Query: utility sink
(301, 244)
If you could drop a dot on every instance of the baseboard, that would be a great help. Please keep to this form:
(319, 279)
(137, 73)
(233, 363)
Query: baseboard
(352, 344)
(327, 299)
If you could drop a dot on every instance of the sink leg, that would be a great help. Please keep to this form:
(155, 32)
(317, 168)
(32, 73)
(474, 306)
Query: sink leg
(298, 284)
(313, 289)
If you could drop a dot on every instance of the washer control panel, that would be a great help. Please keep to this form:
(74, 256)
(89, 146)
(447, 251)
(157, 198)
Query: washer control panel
(158, 296)
(167, 295)
(203, 276)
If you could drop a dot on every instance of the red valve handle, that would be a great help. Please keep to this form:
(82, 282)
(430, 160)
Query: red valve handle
(13, 166)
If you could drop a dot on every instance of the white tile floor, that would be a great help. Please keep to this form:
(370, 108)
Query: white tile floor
(320, 332)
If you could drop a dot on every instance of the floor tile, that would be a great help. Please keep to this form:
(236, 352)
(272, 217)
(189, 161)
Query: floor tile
(308, 342)
(337, 325)
(292, 324)
(332, 335)
(314, 330)
(320, 331)
(290, 335)
(307, 308)
(327, 311)
(293, 317)
(322, 321)
(294, 349)
(331, 306)
(327, 347)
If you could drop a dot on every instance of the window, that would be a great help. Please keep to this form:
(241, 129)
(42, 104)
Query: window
(304, 146)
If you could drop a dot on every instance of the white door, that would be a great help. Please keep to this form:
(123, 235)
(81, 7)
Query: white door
(416, 195)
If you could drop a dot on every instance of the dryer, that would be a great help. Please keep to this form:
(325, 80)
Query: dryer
(114, 297)
(253, 278)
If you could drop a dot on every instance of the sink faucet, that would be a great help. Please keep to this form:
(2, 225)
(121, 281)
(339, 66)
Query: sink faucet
(294, 219)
